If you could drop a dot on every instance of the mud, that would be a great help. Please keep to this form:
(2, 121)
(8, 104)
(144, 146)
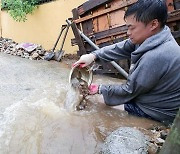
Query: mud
(33, 118)
(82, 86)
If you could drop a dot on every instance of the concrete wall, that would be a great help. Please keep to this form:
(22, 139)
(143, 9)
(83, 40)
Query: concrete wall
(43, 26)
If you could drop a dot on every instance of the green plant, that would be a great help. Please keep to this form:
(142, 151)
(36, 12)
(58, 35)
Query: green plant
(19, 9)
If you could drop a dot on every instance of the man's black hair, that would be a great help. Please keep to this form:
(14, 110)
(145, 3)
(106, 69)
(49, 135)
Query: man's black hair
(148, 10)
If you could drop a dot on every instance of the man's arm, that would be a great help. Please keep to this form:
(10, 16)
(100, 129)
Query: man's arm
(142, 80)
(120, 50)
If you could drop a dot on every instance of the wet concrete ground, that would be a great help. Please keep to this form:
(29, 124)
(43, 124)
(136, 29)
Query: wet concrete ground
(33, 116)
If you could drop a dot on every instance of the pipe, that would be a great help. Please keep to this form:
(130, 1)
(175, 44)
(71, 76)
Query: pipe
(121, 70)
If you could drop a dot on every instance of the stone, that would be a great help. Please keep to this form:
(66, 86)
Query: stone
(164, 134)
(35, 55)
(159, 141)
(153, 148)
(125, 140)
(10, 47)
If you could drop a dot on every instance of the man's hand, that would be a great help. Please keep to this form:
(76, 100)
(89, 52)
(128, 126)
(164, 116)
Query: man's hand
(93, 89)
(85, 60)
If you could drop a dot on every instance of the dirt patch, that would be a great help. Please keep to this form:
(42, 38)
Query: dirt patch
(70, 57)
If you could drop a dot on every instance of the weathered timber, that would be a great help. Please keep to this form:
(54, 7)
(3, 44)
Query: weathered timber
(91, 4)
(114, 31)
(87, 27)
(76, 16)
(108, 10)
(174, 16)
(79, 40)
(118, 32)
(102, 21)
(97, 3)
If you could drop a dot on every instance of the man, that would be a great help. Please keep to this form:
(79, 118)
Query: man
(152, 89)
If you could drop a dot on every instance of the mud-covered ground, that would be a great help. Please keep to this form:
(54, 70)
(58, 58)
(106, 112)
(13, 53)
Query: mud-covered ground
(34, 119)
(34, 109)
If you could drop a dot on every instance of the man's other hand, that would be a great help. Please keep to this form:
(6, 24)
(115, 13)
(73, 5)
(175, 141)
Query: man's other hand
(93, 89)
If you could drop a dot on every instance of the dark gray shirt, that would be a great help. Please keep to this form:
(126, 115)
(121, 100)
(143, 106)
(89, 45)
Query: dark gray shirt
(154, 79)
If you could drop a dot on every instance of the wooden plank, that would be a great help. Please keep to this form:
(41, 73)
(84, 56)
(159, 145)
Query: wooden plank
(76, 16)
(174, 16)
(95, 20)
(103, 23)
(95, 25)
(177, 18)
(89, 5)
(102, 19)
(111, 40)
(117, 7)
(106, 40)
(87, 27)
(114, 31)
(79, 40)
(117, 18)
(105, 11)
(109, 20)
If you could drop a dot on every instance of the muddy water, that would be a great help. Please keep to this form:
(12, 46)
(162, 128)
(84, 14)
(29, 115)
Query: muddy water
(35, 120)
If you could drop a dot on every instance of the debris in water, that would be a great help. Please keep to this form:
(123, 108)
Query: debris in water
(82, 86)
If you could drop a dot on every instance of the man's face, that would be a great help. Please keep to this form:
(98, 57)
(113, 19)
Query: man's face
(138, 32)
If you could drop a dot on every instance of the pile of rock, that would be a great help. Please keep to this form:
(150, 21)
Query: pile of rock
(157, 138)
(36, 52)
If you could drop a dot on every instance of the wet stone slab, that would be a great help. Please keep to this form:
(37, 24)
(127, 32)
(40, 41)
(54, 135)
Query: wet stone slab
(125, 140)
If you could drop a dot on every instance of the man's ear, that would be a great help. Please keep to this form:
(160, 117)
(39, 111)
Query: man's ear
(154, 24)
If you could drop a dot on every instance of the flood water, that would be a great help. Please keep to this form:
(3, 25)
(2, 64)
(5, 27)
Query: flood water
(34, 118)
